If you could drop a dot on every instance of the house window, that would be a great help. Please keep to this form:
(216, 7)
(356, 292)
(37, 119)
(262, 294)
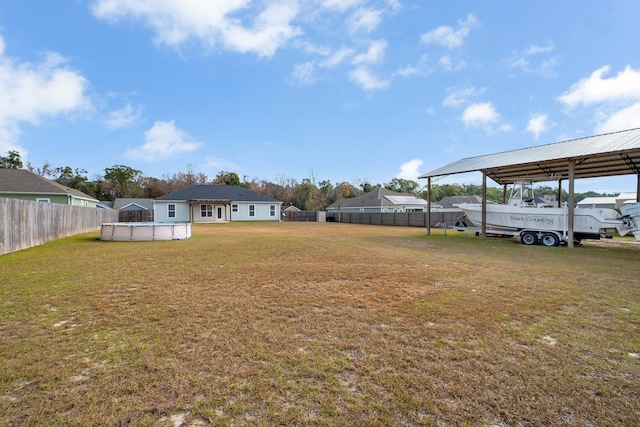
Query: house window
(171, 211)
(234, 207)
(43, 199)
(252, 210)
(272, 210)
(206, 211)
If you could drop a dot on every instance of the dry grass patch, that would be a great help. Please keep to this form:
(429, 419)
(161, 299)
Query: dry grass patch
(319, 324)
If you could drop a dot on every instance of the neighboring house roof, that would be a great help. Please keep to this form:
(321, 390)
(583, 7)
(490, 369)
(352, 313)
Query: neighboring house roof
(380, 197)
(598, 201)
(626, 196)
(222, 193)
(105, 204)
(452, 201)
(610, 201)
(26, 182)
(130, 204)
(291, 208)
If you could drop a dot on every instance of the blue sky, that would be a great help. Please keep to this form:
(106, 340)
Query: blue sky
(339, 90)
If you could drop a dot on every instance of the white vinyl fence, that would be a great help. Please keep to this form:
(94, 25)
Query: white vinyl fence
(25, 223)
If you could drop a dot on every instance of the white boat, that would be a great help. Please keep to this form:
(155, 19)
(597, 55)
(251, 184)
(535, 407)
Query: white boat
(631, 212)
(547, 224)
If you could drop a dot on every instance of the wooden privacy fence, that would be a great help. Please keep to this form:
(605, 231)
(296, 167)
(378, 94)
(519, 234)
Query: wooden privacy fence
(135, 216)
(407, 219)
(25, 223)
(304, 216)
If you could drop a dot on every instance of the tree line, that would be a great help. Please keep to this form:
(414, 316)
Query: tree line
(120, 181)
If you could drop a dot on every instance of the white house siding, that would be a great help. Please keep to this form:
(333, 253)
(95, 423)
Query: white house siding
(262, 212)
(161, 211)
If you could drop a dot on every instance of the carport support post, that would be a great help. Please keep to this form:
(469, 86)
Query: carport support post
(570, 202)
(484, 204)
(429, 206)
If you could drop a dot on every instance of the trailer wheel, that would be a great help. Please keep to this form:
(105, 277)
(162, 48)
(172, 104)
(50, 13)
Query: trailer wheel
(460, 223)
(550, 239)
(529, 238)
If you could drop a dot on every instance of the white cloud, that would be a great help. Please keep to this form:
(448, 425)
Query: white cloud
(617, 98)
(523, 60)
(448, 36)
(485, 116)
(340, 5)
(504, 127)
(394, 4)
(596, 89)
(447, 64)
(303, 74)
(535, 49)
(220, 164)
(163, 140)
(410, 170)
(31, 93)
(373, 55)
(460, 96)
(364, 20)
(123, 117)
(538, 124)
(407, 71)
(310, 71)
(212, 23)
(421, 68)
(363, 77)
(626, 118)
(480, 113)
(336, 58)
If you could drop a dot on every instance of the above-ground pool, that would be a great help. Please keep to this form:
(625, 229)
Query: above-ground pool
(141, 231)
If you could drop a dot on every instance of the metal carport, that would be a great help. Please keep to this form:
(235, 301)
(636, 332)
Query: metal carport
(611, 154)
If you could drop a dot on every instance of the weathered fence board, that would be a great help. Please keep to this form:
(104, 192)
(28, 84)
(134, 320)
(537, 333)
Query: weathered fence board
(25, 223)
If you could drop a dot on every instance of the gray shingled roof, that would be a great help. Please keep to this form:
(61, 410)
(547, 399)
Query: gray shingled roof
(123, 203)
(373, 199)
(27, 182)
(233, 193)
(610, 154)
(450, 201)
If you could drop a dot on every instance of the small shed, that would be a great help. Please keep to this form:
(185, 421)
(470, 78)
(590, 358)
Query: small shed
(134, 210)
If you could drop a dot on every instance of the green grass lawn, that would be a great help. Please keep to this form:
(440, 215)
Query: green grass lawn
(319, 324)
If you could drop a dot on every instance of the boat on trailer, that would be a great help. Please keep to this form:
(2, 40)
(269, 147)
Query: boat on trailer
(545, 223)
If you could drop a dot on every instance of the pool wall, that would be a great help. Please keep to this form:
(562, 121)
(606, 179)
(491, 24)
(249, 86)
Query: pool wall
(144, 231)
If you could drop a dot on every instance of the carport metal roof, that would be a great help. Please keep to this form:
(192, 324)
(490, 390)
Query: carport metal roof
(609, 154)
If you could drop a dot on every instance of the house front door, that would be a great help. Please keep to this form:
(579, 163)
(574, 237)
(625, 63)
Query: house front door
(219, 212)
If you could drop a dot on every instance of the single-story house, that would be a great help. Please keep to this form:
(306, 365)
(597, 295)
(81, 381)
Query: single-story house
(606, 202)
(381, 200)
(214, 203)
(26, 185)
